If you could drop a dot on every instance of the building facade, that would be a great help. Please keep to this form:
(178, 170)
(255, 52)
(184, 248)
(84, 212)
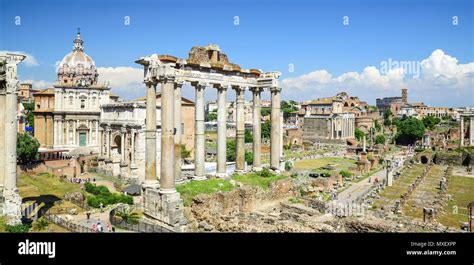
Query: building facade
(77, 100)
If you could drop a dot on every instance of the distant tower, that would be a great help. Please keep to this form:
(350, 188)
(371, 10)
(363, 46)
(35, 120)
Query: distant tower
(404, 95)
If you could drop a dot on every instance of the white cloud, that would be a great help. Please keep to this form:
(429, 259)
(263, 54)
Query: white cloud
(127, 82)
(30, 60)
(442, 81)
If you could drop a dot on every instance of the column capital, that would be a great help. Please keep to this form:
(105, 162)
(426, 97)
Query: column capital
(167, 78)
(199, 85)
(178, 83)
(275, 89)
(123, 129)
(150, 82)
(222, 86)
(256, 89)
(239, 88)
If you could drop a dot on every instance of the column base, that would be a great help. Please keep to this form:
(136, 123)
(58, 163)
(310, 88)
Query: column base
(199, 178)
(240, 171)
(12, 206)
(167, 191)
(276, 171)
(257, 169)
(222, 175)
(166, 208)
(151, 184)
(180, 181)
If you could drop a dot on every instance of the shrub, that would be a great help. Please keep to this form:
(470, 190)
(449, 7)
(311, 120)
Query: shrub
(265, 173)
(19, 228)
(288, 165)
(102, 195)
(345, 174)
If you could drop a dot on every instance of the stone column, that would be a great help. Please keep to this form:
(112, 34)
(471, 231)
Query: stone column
(471, 131)
(55, 132)
(364, 149)
(12, 199)
(123, 132)
(89, 124)
(275, 127)
(2, 140)
(150, 136)
(179, 130)
(132, 148)
(67, 132)
(108, 142)
(101, 144)
(167, 177)
(61, 132)
(221, 171)
(240, 130)
(199, 141)
(257, 130)
(74, 133)
(97, 140)
(389, 177)
(461, 132)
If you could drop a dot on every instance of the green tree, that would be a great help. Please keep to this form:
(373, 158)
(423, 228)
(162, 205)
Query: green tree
(211, 116)
(248, 136)
(266, 129)
(265, 111)
(29, 108)
(288, 106)
(230, 154)
(27, 148)
(387, 114)
(359, 134)
(377, 125)
(430, 122)
(249, 158)
(380, 139)
(409, 130)
(185, 153)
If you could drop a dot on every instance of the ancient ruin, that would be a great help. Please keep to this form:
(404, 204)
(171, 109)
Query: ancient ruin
(10, 200)
(205, 67)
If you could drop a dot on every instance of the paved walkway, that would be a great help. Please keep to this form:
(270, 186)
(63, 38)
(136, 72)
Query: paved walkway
(360, 188)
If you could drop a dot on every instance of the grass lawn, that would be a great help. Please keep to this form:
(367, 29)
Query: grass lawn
(2, 223)
(194, 188)
(424, 194)
(254, 179)
(400, 186)
(316, 164)
(462, 190)
(30, 185)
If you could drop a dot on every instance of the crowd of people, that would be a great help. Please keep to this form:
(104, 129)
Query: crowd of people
(81, 181)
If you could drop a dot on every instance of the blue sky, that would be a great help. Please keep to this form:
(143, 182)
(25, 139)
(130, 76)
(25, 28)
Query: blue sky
(310, 35)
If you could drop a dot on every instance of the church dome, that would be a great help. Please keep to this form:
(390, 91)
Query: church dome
(77, 68)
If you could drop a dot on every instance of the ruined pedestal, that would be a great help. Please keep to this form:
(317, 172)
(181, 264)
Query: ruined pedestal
(165, 208)
(12, 206)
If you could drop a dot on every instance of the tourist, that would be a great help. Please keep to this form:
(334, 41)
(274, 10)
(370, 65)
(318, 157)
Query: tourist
(88, 215)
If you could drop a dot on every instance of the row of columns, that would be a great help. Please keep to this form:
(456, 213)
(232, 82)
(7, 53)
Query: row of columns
(347, 127)
(171, 132)
(62, 137)
(471, 130)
